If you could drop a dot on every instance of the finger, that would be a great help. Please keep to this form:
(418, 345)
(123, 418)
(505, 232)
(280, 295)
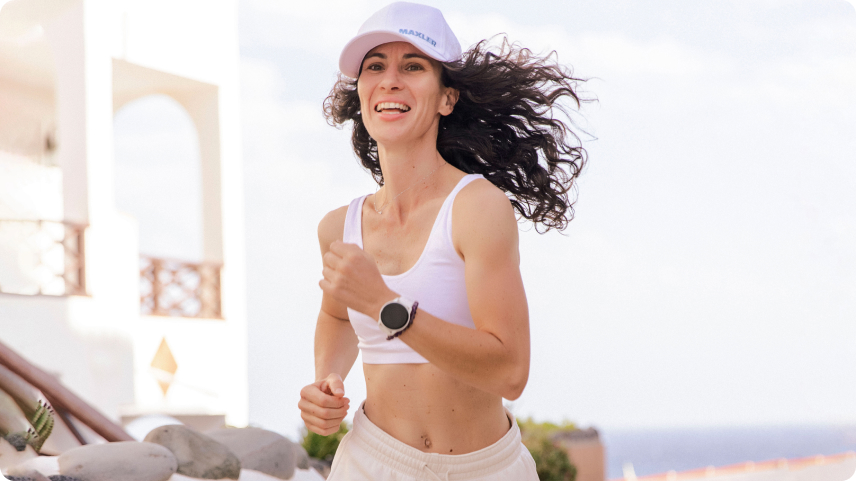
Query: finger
(319, 412)
(320, 430)
(336, 247)
(331, 259)
(335, 385)
(321, 426)
(316, 396)
(341, 248)
(328, 273)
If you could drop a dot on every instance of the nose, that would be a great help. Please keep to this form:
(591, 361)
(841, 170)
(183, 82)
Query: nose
(391, 79)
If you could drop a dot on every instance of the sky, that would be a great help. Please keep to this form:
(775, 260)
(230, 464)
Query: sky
(709, 277)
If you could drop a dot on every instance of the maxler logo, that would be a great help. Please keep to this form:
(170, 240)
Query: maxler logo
(421, 35)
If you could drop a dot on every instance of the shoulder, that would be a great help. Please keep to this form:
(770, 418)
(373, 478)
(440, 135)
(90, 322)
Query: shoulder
(483, 219)
(332, 227)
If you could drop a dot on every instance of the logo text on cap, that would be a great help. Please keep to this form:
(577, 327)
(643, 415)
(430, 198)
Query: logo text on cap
(421, 35)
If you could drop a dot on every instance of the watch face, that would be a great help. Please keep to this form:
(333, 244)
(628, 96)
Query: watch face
(394, 316)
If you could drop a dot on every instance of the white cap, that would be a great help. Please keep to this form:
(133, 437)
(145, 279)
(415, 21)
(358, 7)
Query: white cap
(420, 25)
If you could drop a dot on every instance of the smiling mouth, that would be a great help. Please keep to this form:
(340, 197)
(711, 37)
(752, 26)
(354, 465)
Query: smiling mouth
(391, 107)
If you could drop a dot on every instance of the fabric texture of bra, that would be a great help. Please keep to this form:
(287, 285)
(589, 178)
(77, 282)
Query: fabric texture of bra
(436, 281)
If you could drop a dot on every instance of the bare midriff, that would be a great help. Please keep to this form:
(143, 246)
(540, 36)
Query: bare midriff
(426, 408)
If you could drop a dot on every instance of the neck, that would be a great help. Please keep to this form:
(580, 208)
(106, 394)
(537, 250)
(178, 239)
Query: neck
(408, 171)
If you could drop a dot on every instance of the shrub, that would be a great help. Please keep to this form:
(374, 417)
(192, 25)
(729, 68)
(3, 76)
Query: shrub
(323, 447)
(551, 462)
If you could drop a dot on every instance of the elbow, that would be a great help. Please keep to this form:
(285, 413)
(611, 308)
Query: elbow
(515, 384)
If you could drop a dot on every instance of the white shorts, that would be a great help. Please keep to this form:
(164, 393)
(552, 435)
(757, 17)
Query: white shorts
(367, 453)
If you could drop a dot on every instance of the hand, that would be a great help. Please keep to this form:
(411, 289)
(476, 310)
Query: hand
(323, 405)
(352, 278)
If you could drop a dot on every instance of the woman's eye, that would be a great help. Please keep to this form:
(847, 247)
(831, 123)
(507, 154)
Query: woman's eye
(413, 66)
(374, 66)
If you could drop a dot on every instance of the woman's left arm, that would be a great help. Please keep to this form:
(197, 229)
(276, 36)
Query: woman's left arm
(494, 356)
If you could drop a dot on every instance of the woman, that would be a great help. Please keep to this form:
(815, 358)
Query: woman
(423, 276)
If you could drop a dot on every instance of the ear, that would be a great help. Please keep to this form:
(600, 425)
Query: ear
(450, 98)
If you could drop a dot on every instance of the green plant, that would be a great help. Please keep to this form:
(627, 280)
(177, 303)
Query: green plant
(323, 447)
(551, 462)
(17, 398)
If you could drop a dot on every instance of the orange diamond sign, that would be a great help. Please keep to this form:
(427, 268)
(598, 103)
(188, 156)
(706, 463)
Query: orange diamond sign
(164, 365)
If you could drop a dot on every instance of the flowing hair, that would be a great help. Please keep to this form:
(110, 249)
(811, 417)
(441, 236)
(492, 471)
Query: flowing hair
(504, 126)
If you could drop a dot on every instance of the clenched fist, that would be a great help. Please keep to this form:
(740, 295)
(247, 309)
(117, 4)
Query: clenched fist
(352, 278)
(323, 405)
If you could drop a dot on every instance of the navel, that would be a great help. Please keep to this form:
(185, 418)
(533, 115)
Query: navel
(426, 441)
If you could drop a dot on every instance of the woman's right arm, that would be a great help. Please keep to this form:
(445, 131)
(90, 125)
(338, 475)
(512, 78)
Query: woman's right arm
(323, 404)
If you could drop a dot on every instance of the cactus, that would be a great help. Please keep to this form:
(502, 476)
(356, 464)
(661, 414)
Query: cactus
(17, 398)
(42, 421)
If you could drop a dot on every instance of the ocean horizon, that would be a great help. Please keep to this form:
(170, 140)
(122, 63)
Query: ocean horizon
(653, 451)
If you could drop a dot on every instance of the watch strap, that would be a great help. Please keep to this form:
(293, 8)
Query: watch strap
(409, 306)
(409, 322)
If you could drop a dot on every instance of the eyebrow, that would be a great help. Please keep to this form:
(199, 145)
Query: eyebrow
(416, 55)
(406, 56)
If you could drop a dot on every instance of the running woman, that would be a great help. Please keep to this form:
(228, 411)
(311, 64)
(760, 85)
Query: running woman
(422, 277)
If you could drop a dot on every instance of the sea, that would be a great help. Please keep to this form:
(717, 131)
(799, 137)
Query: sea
(653, 451)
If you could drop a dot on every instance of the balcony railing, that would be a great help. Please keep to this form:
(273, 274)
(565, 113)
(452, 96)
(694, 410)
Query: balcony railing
(181, 289)
(41, 257)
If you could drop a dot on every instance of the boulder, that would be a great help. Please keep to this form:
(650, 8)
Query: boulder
(260, 450)
(322, 466)
(126, 461)
(10, 456)
(32, 476)
(301, 457)
(45, 465)
(198, 455)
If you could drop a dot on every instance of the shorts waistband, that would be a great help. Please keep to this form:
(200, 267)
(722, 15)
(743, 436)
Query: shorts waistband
(413, 462)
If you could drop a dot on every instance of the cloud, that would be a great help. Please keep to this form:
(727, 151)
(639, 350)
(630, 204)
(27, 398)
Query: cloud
(695, 259)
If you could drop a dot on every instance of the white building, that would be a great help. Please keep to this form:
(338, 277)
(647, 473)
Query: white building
(131, 335)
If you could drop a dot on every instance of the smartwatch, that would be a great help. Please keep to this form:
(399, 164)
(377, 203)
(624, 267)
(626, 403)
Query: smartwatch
(396, 316)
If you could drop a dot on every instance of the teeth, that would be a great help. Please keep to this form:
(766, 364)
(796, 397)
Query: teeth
(391, 105)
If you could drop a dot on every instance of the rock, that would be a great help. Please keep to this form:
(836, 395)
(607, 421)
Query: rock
(31, 475)
(301, 457)
(126, 461)
(322, 466)
(260, 450)
(60, 477)
(198, 455)
(10, 456)
(17, 440)
(46, 465)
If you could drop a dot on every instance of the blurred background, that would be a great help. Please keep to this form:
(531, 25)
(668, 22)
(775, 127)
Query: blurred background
(698, 311)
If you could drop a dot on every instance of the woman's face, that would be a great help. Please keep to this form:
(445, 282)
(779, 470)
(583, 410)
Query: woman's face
(401, 94)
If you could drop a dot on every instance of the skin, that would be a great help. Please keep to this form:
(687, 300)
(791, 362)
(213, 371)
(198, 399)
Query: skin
(453, 404)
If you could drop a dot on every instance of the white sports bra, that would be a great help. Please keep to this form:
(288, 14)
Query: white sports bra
(436, 281)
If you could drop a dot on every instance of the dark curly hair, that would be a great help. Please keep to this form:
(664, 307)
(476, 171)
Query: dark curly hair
(503, 127)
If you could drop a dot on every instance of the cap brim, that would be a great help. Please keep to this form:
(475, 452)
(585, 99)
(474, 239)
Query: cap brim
(355, 51)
